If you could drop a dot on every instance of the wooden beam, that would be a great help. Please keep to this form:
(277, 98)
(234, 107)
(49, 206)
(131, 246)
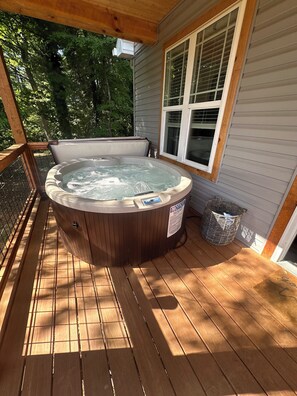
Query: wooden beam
(10, 154)
(282, 221)
(9, 103)
(85, 15)
(149, 10)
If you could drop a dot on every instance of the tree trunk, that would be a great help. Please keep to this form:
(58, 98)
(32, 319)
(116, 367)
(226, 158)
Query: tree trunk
(108, 97)
(96, 100)
(56, 80)
(109, 102)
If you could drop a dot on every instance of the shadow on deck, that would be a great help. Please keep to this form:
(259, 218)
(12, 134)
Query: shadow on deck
(188, 323)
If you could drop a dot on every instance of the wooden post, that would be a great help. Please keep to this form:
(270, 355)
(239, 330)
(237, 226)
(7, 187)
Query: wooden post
(16, 124)
(282, 221)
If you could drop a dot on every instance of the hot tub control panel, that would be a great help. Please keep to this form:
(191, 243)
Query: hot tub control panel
(151, 201)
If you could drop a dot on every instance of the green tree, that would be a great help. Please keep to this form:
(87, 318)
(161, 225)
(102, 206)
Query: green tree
(103, 83)
(5, 133)
(21, 50)
(66, 81)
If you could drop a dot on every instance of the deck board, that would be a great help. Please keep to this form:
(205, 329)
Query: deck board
(154, 377)
(226, 357)
(239, 287)
(202, 362)
(180, 371)
(204, 293)
(11, 357)
(187, 323)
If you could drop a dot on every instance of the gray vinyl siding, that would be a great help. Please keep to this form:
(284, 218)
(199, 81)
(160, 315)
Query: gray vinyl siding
(260, 157)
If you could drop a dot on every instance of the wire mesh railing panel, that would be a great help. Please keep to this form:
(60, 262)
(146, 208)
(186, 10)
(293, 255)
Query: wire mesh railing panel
(14, 193)
(45, 161)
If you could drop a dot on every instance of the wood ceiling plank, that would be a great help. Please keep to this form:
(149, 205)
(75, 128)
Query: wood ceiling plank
(84, 15)
(149, 10)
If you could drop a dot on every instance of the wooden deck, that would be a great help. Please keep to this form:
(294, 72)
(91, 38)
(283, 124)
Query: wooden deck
(189, 323)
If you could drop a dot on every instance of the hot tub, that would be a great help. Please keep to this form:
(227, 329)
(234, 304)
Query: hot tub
(113, 211)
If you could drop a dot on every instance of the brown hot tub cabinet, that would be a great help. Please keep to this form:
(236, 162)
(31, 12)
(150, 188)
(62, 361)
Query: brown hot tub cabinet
(117, 233)
(115, 239)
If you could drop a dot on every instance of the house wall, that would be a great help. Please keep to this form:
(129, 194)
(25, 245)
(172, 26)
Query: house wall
(260, 156)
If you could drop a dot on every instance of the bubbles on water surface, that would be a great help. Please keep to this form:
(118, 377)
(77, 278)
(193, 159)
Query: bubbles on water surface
(118, 182)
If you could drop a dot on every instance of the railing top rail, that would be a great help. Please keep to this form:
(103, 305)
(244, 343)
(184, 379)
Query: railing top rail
(38, 145)
(10, 154)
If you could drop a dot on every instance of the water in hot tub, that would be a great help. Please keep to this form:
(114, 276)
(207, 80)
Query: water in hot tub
(119, 181)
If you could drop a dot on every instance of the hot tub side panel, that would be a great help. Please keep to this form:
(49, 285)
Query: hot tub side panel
(130, 238)
(73, 231)
(119, 238)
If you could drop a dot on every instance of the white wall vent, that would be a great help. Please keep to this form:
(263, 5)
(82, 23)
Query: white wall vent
(124, 49)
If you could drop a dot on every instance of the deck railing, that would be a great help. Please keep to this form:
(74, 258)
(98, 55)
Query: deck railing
(17, 189)
(43, 158)
(20, 183)
(14, 193)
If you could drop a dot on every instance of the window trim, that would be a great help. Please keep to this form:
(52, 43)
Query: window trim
(246, 14)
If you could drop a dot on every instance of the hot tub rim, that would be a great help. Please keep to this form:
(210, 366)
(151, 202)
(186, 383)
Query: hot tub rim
(127, 205)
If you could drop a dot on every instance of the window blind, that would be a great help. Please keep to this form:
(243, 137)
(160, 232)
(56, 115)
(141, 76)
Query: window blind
(176, 66)
(213, 46)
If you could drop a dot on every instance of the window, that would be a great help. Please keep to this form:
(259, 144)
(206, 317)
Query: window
(197, 76)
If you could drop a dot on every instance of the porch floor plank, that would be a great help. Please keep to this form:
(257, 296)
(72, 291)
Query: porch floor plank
(96, 374)
(243, 271)
(252, 358)
(11, 357)
(201, 360)
(227, 359)
(151, 370)
(38, 376)
(180, 371)
(188, 323)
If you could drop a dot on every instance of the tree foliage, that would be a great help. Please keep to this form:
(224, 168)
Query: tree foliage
(66, 81)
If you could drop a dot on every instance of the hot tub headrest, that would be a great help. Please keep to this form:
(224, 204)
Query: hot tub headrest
(66, 150)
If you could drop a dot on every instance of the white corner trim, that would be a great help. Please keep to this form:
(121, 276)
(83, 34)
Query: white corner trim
(286, 239)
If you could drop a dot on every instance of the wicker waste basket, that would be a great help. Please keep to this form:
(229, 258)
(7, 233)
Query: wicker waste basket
(220, 221)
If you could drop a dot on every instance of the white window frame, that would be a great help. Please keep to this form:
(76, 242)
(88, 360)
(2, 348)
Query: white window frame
(188, 107)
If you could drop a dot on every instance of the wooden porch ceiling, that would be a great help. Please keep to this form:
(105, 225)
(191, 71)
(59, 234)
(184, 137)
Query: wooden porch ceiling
(188, 323)
(133, 20)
